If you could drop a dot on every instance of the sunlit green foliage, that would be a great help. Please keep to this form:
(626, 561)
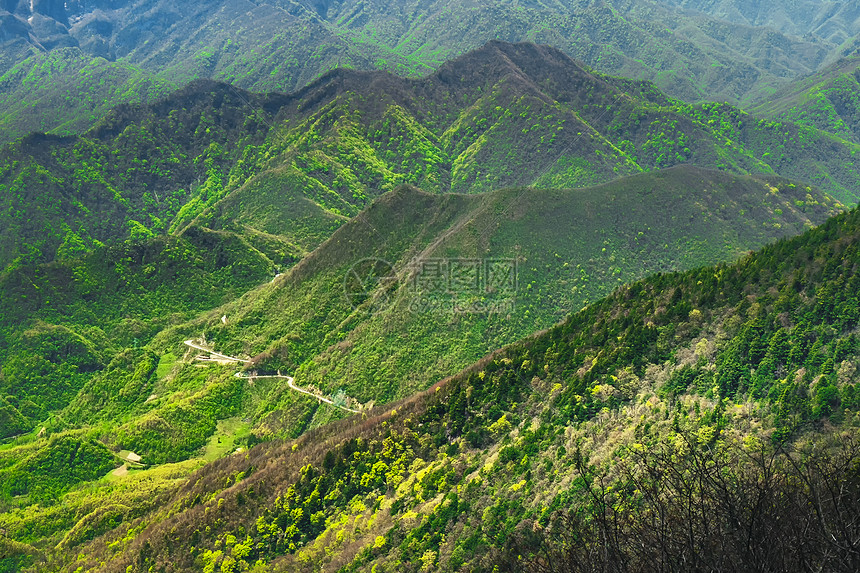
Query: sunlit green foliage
(49, 471)
(729, 384)
(570, 247)
(827, 100)
(506, 115)
(67, 323)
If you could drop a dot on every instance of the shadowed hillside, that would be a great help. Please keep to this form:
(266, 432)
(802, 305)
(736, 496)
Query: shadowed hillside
(504, 115)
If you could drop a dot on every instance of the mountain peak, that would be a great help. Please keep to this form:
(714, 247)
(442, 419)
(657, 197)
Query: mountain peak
(496, 59)
(515, 69)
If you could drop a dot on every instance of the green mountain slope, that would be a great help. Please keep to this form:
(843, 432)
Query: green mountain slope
(104, 54)
(87, 335)
(247, 185)
(65, 196)
(826, 100)
(66, 92)
(692, 56)
(504, 115)
(520, 109)
(564, 248)
(666, 423)
(561, 250)
(830, 21)
(67, 321)
(74, 329)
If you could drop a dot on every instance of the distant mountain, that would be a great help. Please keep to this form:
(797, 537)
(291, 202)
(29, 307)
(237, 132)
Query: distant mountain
(827, 100)
(829, 22)
(64, 63)
(707, 417)
(294, 166)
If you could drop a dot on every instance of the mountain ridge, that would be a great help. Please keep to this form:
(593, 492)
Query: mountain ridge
(824, 100)
(149, 47)
(527, 116)
(562, 241)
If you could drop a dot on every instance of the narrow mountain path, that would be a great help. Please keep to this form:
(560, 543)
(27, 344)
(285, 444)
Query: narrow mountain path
(218, 356)
(291, 383)
(223, 358)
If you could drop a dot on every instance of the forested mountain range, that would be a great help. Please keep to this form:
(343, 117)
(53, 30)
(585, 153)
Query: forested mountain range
(285, 170)
(832, 21)
(69, 321)
(826, 100)
(93, 348)
(63, 65)
(266, 305)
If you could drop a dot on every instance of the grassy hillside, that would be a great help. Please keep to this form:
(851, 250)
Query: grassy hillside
(708, 416)
(276, 183)
(553, 252)
(112, 385)
(505, 115)
(74, 330)
(565, 248)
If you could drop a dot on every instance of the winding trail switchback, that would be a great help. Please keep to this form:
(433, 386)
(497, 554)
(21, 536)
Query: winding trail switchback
(223, 358)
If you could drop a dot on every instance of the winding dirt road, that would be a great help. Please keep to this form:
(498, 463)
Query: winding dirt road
(291, 383)
(222, 358)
